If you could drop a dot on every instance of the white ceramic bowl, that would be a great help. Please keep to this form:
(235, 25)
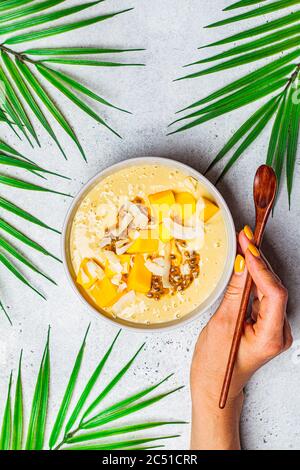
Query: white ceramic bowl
(231, 239)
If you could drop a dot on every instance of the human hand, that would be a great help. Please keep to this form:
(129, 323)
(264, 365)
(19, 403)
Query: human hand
(264, 337)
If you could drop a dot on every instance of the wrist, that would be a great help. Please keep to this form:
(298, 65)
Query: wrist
(213, 428)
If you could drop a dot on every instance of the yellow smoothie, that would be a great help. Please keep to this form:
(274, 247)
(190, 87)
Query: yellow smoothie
(148, 244)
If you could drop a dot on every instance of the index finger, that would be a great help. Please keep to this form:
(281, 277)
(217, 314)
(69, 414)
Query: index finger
(272, 311)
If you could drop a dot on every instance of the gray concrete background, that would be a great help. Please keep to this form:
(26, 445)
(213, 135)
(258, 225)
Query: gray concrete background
(171, 31)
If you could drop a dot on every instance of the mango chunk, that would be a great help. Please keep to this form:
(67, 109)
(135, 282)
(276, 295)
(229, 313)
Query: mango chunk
(89, 273)
(164, 233)
(145, 243)
(161, 203)
(104, 293)
(185, 207)
(140, 277)
(164, 197)
(108, 271)
(210, 209)
(186, 199)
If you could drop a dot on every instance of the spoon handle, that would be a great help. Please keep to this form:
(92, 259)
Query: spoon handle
(236, 342)
(262, 214)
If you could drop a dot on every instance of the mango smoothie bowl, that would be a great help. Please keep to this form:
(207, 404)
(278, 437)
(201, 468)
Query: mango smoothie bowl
(149, 243)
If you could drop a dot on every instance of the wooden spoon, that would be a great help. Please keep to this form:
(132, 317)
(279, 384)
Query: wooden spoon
(264, 192)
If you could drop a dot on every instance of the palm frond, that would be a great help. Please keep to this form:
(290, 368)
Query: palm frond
(261, 10)
(9, 254)
(17, 435)
(77, 438)
(292, 145)
(21, 71)
(5, 437)
(36, 426)
(278, 78)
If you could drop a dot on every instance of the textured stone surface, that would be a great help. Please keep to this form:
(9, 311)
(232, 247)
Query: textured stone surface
(171, 31)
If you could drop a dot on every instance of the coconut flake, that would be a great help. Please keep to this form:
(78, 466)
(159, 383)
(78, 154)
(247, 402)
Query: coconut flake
(116, 279)
(139, 215)
(159, 261)
(182, 232)
(154, 268)
(94, 270)
(124, 221)
(114, 262)
(125, 301)
(105, 241)
(122, 246)
(122, 286)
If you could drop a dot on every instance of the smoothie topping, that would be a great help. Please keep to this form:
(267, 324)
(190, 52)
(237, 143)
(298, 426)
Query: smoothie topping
(149, 250)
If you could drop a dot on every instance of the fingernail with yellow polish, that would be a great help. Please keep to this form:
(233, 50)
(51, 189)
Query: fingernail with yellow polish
(239, 265)
(248, 232)
(252, 248)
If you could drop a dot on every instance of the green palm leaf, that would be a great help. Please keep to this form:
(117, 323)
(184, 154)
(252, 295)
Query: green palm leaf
(92, 381)
(97, 421)
(272, 69)
(257, 130)
(5, 437)
(251, 57)
(240, 97)
(3, 309)
(8, 228)
(242, 131)
(132, 398)
(17, 183)
(29, 10)
(261, 29)
(112, 384)
(82, 89)
(47, 18)
(69, 94)
(10, 4)
(119, 445)
(18, 106)
(18, 163)
(50, 105)
(253, 45)
(231, 106)
(264, 10)
(12, 251)
(17, 434)
(10, 207)
(283, 135)
(115, 431)
(55, 30)
(292, 147)
(58, 51)
(24, 90)
(275, 37)
(68, 395)
(7, 263)
(78, 438)
(36, 427)
(93, 63)
(242, 3)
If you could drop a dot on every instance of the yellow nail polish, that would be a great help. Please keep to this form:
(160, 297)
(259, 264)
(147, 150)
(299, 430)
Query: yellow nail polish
(248, 232)
(252, 248)
(239, 265)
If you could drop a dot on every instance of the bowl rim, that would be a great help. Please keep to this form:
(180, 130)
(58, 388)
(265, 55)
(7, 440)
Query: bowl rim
(231, 235)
